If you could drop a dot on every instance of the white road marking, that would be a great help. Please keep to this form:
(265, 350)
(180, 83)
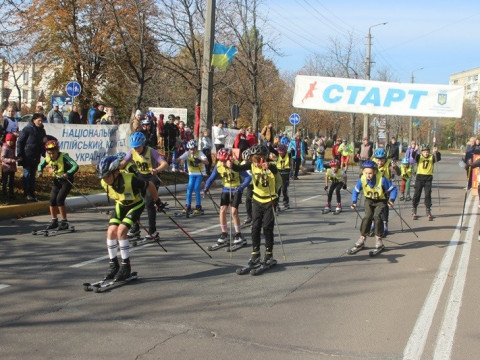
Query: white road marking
(416, 343)
(3, 286)
(102, 258)
(310, 198)
(443, 348)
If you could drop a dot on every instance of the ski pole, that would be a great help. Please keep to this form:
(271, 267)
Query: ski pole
(399, 207)
(154, 238)
(91, 204)
(215, 205)
(276, 222)
(170, 192)
(438, 180)
(465, 199)
(402, 219)
(185, 232)
(231, 216)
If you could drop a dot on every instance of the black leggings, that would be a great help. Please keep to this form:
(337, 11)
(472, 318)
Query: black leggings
(60, 190)
(263, 217)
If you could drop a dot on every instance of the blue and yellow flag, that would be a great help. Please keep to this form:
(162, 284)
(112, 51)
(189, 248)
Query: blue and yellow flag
(222, 56)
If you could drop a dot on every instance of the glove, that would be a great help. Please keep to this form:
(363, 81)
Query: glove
(353, 206)
(159, 205)
(344, 187)
(205, 190)
(325, 188)
(390, 203)
(197, 161)
(240, 189)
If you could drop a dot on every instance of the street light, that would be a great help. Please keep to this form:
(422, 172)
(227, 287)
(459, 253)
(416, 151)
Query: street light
(367, 72)
(410, 125)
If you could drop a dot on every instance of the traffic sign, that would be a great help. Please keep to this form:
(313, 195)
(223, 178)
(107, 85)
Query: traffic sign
(294, 119)
(73, 89)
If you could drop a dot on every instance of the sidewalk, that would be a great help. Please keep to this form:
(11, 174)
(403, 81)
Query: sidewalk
(76, 202)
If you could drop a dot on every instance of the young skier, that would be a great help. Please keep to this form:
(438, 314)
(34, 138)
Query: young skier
(338, 180)
(196, 161)
(126, 189)
(149, 163)
(345, 150)
(231, 195)
(406, 174)
(64, 168)
(264, 196)
(248, 190)
(425, 165)
(283, 167)
(379, 192)
(388, 169)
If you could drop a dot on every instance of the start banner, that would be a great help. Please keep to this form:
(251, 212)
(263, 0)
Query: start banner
(377, 97)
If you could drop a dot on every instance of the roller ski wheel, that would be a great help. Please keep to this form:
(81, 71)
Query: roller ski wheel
(377, 251)
(107, 285)
(263, 267)
(325, 211)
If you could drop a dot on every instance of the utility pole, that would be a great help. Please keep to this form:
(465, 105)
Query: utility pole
(368, 60)
(206, 99)
(410, 125)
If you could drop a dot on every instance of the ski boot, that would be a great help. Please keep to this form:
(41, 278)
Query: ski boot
(113, 269)
(414, 213)
(239, 240)
(327, 209)
(247, 221)
(187, 211)
(359, 245)
(254, 259)
(338, 209)
(53, 224)
(221, 242)
(378, 246)
(124, 271)
(198, 210)
(268, 259)
(152, 236)
(402, 197)
(286, 206)
(134, 231)
(429, 214)
(408, 198)
(63, 225)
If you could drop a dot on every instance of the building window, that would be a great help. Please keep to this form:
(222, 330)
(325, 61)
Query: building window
(475, 77)
(25, 96)
(25, 78)
(455, 82)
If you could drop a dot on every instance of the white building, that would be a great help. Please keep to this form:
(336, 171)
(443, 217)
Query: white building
(470, 81)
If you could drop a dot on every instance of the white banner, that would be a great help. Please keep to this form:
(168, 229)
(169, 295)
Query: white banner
(86, 144)
(377, 97)
(167, 111)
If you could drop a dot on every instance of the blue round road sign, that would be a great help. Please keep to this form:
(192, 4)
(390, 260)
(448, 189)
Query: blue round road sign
(73, 89)
(294, 119)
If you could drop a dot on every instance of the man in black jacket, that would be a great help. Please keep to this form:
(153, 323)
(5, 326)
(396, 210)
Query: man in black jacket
(30, 148)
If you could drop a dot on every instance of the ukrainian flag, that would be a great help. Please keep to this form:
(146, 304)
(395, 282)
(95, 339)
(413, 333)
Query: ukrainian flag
(222, 56)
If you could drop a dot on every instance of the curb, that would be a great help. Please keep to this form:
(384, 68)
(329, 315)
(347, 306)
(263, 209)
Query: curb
(43, 207)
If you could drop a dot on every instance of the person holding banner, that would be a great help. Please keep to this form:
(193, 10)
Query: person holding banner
(170, 135)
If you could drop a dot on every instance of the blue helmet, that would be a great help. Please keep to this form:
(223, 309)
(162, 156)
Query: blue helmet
(405, 161)
(369, 164)
(137, 139)
(107, 165)
(380, 153)
(121, 155)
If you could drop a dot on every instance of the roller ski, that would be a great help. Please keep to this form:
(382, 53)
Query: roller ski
(146, 240)
(268, 263)
(338, 209)
(378, 247)
(221, 242)
(253, 263)
(117, 275)
(246, 223)
(134, 232)
(326, 209)
(359, 245)
(238, 243)
(55, 228)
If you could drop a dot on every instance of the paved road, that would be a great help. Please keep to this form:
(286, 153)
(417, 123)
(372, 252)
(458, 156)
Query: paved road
(416, 300)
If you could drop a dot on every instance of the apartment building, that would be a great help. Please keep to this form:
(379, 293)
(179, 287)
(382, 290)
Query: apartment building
(470, 80)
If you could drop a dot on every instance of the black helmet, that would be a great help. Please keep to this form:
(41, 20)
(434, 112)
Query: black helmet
(425, 147)
(258, 149)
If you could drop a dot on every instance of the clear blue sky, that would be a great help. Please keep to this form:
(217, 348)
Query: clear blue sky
(441, 36)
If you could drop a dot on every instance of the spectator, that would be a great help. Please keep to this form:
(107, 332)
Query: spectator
(98, 113)
(241, 141)
(74, 116)
(30, 148)
(135, 125)
(9, 165)
(219, 134)
(55, 116)
(206, 146)
(160, 124)
(393, 149)
(267, 133)
(109, 117)
(252, 139)
(170, 136)
(92, 111)
(9, 124)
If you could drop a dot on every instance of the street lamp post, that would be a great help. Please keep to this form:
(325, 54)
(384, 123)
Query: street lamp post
(368, 61)
(410, 125)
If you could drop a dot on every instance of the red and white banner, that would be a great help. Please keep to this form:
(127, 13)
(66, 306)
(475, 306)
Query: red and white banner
(377, 97)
